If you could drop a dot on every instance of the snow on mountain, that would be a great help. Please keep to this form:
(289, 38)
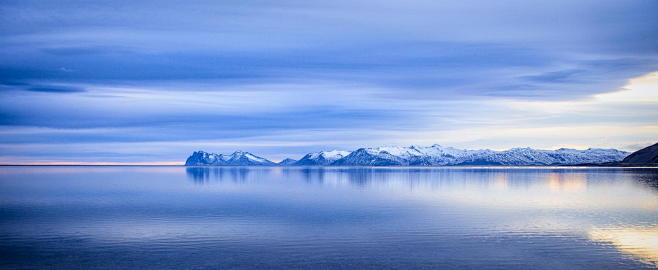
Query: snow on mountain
(203, 158)
(435, 155)
(287, 162)
(321, 158)
(238, 158)
(369, 157)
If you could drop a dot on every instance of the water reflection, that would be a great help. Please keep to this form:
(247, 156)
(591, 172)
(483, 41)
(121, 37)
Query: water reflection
(555, 180)
(204, 175)
(327, 218)
(503, 188)
(567, 182)
(646, 176)
(640, 242)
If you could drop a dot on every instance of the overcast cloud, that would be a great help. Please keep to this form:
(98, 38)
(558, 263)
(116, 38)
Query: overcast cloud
(119, 81)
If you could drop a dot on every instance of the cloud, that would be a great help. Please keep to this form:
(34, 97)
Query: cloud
(563, 76)
(55, 89)
(308, 75)
(468, 50)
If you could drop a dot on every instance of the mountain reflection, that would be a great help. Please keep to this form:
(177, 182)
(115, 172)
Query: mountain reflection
(553, 180)
(204, 175)
(647, 176)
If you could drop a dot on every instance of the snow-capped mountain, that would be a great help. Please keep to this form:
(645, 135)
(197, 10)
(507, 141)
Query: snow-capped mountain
(321, 158)
(437, 155)
(434, 155)
(287, 162)
(370, 157)
(238, 158)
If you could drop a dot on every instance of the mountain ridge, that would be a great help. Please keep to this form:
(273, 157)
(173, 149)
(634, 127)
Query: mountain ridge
(644, 156)
(434, 155)
(237, 158)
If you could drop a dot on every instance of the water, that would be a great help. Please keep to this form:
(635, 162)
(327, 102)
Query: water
(328, 218)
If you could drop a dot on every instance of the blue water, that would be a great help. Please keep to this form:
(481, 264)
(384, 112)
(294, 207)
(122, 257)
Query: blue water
(327, 218)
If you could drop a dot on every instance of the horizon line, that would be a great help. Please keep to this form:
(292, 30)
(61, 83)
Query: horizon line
(73, 163)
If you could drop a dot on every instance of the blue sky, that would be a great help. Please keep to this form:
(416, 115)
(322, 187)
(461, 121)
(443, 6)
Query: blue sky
(118, 81)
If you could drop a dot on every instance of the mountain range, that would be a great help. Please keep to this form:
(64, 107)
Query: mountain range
(238, 158)
(435, 155)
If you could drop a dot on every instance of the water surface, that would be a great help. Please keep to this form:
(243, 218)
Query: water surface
(328, 218)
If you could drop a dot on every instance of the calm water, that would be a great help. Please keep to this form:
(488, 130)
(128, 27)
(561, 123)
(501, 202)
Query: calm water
(331, 218)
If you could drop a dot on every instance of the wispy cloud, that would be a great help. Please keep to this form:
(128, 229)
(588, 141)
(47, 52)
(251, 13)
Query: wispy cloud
(289, 77)
(55, 89)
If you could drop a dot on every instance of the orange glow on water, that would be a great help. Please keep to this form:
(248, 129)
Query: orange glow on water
(571, 183)
(641, 243)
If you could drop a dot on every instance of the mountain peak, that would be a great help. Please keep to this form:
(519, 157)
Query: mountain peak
(321, 158)
(434, 155)
(237, 158)
(287, 162)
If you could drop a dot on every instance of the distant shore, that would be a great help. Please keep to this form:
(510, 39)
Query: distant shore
(316, 166)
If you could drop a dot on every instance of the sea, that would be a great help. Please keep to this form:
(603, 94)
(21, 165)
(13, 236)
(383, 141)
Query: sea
(176, 217)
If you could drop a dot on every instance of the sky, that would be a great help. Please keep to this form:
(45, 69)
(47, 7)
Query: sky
(151, 81)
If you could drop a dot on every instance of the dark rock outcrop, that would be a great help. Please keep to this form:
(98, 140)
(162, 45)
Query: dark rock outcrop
(644, 156)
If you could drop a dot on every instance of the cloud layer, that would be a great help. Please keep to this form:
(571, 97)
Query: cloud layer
(118, 81)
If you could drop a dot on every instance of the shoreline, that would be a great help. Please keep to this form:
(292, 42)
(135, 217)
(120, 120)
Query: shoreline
(637, 166)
